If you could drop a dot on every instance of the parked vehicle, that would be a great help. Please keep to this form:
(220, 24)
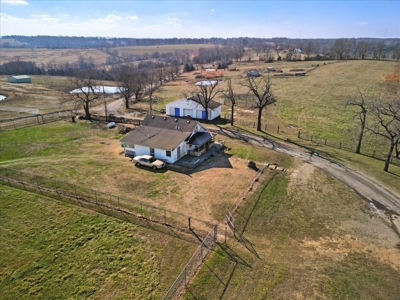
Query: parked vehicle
(148, 161)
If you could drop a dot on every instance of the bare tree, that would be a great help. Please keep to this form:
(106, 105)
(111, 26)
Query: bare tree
(125, 74)
(261, 88)
(341, 48)
(84, 83)
(379, 48)
(309, 48)
(161, 72)
(173, 71)
(361, 107)
(151, 80)
(362, 49)
(204, 93)
(395, 48)
(387, 115)
(229, 94)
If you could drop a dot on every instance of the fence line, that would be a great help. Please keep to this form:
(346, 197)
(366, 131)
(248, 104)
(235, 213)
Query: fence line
(112, 118)
(34, 120)
(120, 207)
(343, 146)
(247, 189)
(193, 265)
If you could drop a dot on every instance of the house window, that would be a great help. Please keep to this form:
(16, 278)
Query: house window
(168, 153)
(152, 151)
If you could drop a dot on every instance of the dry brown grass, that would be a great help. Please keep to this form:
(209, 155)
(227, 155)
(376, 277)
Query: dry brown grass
(96, 160)
(52, 56)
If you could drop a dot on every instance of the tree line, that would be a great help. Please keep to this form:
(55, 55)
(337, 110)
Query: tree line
(341, 48)
(378, 115)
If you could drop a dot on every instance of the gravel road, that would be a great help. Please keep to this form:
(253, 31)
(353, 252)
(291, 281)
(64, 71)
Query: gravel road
(367, 188)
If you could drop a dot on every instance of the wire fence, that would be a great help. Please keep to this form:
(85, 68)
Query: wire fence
(20, 122)
(273, 128)
(247, 189)
(350, 147)
(112, 118)
(134, 211)
(193, 265)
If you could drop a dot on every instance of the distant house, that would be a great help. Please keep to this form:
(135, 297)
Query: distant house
(167, 139)
(188, 107)
(253, 73)
(19, 79)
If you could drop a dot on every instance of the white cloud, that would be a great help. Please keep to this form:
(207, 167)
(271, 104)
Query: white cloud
(363, 23)
(15, 2)
(132, 17)
(44, 18)
(286, 23)
(212, 10)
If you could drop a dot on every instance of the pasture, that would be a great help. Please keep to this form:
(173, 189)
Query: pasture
(308, 237)
(311, 236)
(50, 249)
(89, 154)
(52, 56)
(140, 50)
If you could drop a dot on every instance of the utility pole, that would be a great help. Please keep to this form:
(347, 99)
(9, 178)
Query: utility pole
(105, 104)
(37, 107)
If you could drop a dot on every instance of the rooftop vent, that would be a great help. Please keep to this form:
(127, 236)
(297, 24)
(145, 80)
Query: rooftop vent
(165, 118)
(176, 120)
(188, 121)
(152, 117)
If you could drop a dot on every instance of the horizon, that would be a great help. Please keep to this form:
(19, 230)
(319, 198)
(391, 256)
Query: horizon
(201, 19)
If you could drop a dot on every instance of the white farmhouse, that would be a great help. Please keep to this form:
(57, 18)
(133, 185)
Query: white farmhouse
(188, 107)
(167, 139)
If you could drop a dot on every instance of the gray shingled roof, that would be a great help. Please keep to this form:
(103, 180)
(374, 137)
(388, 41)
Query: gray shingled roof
(155, 137)
(199, 138)
(175, 124)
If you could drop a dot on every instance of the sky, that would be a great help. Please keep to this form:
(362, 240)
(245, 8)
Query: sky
(201, 19)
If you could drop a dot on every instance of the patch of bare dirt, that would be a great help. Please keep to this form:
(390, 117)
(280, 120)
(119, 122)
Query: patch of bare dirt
(338, 247)
(301, 174)
(393, 77)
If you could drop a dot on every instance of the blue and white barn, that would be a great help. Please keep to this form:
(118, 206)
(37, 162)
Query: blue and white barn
(187, 107)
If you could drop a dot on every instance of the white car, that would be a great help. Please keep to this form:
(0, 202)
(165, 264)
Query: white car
(148, 161)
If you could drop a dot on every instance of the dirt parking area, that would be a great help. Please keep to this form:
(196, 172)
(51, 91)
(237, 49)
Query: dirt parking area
(204, 192)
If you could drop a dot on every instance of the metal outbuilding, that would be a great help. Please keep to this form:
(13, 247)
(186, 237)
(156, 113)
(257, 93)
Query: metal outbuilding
(19, 79)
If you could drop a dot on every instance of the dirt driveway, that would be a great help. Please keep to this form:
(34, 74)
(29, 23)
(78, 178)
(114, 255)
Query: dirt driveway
(379, 196)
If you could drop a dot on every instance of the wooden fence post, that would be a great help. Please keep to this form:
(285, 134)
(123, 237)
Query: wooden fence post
(278, 130)
(190, 226)
(340, 146)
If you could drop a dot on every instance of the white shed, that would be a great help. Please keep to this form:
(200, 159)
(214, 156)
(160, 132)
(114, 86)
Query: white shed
(188, 107)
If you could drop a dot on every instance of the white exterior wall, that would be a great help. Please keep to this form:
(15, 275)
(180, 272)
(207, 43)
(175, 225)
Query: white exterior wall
(161, 153)
(215, 113)
(195, 109)
(142, 150)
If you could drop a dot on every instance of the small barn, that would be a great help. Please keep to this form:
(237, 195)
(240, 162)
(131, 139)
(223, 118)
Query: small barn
(19, 79)
(195, 109)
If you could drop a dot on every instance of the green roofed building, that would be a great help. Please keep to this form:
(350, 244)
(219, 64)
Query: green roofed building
(19, 79)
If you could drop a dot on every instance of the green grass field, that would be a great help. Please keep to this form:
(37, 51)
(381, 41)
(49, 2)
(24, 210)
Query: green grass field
(307, 237)
(49, 249)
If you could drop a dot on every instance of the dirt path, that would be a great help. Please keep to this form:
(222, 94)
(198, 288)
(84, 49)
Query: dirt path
(373, 192)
